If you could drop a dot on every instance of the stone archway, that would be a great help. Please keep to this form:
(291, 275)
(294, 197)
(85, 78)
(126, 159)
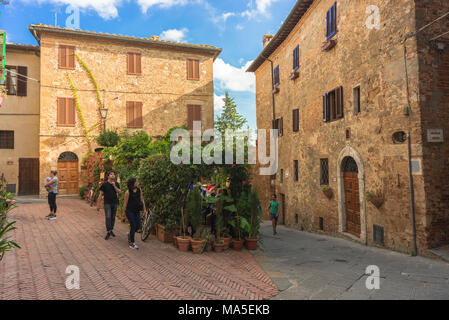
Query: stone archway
(68, 173)
(349, 152)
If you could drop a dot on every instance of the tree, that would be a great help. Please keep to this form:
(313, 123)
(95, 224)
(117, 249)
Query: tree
(229, 118)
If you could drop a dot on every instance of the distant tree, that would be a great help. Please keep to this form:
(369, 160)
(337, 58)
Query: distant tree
(229, 118)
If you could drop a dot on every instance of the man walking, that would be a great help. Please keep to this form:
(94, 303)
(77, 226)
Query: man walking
(110, 189)
(274, 212)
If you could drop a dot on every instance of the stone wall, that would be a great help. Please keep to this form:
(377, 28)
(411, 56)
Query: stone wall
(374, 60)
(163, 88)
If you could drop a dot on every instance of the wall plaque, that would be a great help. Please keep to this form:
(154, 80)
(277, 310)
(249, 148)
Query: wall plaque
(435, 135)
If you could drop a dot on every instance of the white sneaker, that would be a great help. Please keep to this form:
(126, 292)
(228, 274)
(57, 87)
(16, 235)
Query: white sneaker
(52, 218)
(133, 246)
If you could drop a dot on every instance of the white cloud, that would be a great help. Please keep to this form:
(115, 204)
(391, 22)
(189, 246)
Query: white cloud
(232, 78)
(177, 35)
(146, 4)
(107, 9)
(218, 103)
(239, 27)
(261, 8)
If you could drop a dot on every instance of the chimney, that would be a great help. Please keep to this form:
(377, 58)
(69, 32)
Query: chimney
(154, 38)
(266, 39)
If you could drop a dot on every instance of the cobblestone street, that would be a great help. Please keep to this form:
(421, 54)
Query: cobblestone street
(110, 269)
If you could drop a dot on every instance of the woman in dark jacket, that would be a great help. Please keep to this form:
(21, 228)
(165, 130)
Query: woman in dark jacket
(132, 207)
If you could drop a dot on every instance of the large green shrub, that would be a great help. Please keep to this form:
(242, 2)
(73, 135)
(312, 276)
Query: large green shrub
(6, 244)
(108, 138)
(194, 211)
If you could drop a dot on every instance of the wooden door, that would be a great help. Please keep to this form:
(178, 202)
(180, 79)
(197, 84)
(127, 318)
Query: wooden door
(28, 177)
(352, 203)
(68, 177)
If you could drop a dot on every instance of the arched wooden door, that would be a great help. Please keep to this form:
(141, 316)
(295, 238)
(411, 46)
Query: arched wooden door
(68, 173)
(352, 196)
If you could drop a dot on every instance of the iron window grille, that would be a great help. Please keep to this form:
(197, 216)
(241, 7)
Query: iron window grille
(324, 172)
(6, 139)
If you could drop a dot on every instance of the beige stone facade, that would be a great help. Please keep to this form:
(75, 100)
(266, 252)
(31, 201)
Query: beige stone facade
(162, 87)
(20, 114)
(373, 59)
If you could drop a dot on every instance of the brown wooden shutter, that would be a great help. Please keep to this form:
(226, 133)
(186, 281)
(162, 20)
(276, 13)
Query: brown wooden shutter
(196, 69)
(339, 102)
(61, 57)
(22, 81)
(326, 113)
(138, 113)
(138, 63)
(61, 111)
(189, 69)
(8, 80)
(129, 114)
(295, 120)
(70, 111)
(71, 57)
(131, 63)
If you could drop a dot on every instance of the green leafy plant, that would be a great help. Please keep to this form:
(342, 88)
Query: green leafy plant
(255, 217)
(82, 190)
(219, 222)
(108, 138)
(6, 244)
(194, 212)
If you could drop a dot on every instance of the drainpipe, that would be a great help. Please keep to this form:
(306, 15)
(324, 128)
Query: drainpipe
(273, 100)
(409, 153)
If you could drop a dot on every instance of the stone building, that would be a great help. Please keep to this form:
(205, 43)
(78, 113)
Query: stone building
(333, 80)
(145, 84)
(19, 120)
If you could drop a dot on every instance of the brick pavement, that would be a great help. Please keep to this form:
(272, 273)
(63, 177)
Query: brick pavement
(110, 269)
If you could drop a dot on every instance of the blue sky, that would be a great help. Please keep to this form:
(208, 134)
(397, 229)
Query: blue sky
(236, 26)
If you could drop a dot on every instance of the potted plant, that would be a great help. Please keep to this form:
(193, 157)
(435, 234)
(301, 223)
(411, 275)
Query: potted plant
(254, 220)
(183, 241)
(327, 191)
(239, 223)
(376, 198)
(194, 212)
(219, 243)
(329, 44)
(226, 239)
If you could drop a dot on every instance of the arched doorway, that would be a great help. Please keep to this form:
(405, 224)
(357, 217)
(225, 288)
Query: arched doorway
(68, 173)
(352, 196)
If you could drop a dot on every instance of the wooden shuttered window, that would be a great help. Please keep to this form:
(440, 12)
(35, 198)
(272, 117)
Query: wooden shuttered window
(193, 69)
(134, 63)
(331, 21)
(356, 103)
(296, 59)
(279, 124)
(66, 112)
(66, 57)
(296, 170)
(295, 120)
(333, 105)
(193, 114)
(11, 80)
(22, 81)
(134, 114)
(6, 139)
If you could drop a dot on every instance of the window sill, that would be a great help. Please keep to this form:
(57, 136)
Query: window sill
(328, 45)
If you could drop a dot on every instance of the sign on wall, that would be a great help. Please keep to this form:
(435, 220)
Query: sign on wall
(435, 135)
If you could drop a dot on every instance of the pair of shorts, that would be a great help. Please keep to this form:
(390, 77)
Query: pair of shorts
(273, 216)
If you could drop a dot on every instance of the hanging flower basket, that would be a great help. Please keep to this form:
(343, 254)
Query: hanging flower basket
(376, 199)
(327, 191)
(276, 90)
(294, 75)
(328, 45)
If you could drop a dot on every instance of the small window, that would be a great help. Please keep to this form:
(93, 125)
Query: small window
(296, 169)
(324, 172)
(279, 124)
(331, 21)
(281, 177)
(66, 112)
(66, 57)
(134, 114)
(333, 108)
(193, 69)
(134, 63)
(193, 114)
(276, 76)
(295, 120)
(6, 139)
(356, 94)
(296, 59)
(11, 80)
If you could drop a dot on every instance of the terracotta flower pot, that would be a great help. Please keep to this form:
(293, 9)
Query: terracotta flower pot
(183, 243)
(218, 247)
(377, 202)
(197, 245)
(226, 242)
(237, 244)
(175, 241)
(162, 235)
(209, 246)
(251, 244)
(328, 193)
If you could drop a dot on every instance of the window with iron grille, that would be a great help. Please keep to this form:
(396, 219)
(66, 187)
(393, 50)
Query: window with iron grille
(331, 22)
(356, 93)
(296, 169)
(333, 105)
(276, 76)
(6, 139)
(378, 234)
(296, 59)
(295, 120)
(324, 172)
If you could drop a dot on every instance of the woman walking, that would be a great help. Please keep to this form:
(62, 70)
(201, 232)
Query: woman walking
(132, 207)
(52, 187)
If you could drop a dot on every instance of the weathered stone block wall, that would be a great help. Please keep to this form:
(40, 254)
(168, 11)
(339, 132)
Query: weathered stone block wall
(163, 89)
(369, 58)
(434, 105)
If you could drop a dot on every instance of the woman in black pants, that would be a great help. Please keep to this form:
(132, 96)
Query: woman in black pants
(132, 206)
(52, 187)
